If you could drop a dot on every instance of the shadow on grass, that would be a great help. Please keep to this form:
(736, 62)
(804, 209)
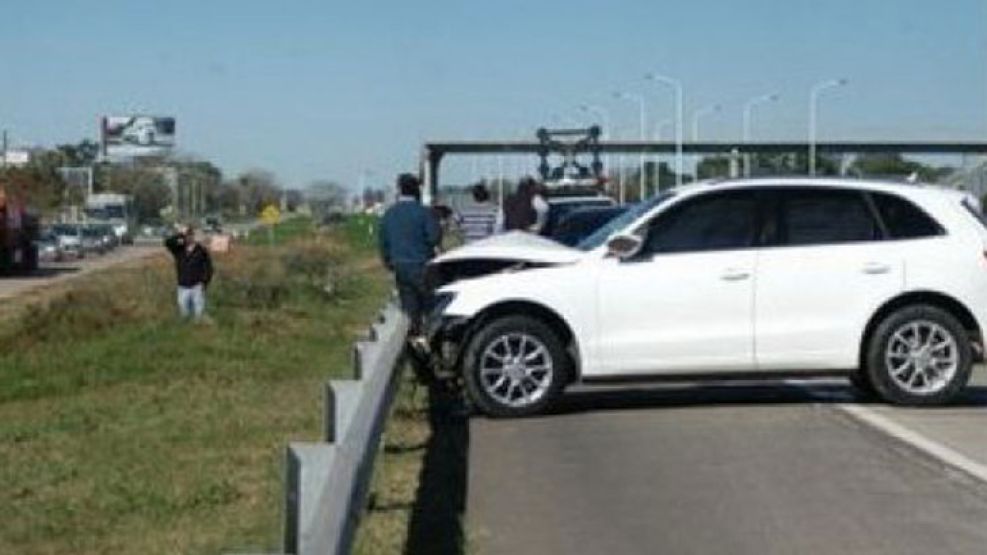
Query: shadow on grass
(440, 502)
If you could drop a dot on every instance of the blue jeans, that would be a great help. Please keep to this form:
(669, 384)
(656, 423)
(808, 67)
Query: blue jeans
(192, 301)
(410, 278)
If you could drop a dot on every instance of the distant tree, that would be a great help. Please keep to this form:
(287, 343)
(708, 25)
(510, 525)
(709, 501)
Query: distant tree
(293, 199)
(895, 165)
(146, 185)
(372, 196)
(792, 163)
(258, 188)
(83, 153)
(713, 166)
(328, 192)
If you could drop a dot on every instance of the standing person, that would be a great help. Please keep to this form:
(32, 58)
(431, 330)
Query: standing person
(479, 220)
(408, 238)
(540, 206)
(193, 267)
(519, 214)
(526, 209)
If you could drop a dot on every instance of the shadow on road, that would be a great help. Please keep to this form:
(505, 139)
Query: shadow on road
(665, 396)
(440, 503)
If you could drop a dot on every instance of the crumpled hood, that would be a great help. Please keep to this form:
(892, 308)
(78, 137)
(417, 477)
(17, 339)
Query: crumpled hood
(514, 246)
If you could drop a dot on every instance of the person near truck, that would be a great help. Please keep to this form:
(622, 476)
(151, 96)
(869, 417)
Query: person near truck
(408, 238)
(526, 209)
(481, 219)
(193, 267)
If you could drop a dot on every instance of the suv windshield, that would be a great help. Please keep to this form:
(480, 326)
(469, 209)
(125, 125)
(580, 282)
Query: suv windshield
(601, 235)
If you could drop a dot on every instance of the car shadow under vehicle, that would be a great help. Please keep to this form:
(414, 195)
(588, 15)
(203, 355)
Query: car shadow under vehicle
(656, 396)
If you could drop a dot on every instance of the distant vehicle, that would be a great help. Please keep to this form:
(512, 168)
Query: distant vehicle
(93, 240)
(884, 283)
(114, 209)
(107, 235)
(18, 231)
(214, 224)
(580, 223)
(48, 248)
(69, 237)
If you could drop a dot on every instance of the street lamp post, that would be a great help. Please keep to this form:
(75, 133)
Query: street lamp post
(813, 115)
(679, 116)
(659, 134)
(748, 115)
(699, 114)
(643, 122)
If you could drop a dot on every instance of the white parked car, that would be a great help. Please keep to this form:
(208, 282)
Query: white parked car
(884, 282)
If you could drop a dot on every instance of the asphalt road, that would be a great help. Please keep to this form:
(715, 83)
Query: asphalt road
(714, 469)
(56, 272)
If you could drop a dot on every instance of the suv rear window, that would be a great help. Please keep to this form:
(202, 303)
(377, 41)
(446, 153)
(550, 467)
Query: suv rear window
(826, 216)
(903, 219)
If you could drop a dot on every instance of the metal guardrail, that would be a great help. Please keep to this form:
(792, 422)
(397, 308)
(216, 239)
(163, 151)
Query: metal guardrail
(326, 483)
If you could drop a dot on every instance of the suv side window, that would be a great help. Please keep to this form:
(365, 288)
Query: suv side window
(825, 216)
(713, 221)
(903, 219)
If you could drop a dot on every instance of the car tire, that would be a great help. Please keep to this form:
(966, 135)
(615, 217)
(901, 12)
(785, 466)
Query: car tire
(515, 366)
(919, 355)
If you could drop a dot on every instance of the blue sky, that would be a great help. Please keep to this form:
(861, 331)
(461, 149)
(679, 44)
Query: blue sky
(328, 89)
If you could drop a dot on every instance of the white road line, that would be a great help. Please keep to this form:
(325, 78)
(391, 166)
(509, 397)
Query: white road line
(869, 417)
(946, 455)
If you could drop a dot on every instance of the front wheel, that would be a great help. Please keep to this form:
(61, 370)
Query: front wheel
(515, 366)
(919, 355)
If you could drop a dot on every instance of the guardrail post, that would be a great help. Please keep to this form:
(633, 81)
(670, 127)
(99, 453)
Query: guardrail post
(342, 398)
(326, 484)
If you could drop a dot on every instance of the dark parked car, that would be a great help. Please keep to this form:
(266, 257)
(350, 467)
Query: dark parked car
(108, 237)
(580, 223)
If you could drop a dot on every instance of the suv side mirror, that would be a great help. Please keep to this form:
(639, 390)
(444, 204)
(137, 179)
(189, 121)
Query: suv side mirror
(624, 246)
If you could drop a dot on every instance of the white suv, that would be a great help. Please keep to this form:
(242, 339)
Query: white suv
(885, 282)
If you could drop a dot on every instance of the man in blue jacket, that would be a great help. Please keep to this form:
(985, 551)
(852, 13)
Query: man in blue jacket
(408, 237)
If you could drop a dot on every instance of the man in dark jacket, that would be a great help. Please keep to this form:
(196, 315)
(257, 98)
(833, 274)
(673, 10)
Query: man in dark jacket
(408, 237)
(193, 267)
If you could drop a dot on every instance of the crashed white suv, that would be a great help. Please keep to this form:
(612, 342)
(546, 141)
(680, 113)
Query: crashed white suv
(884, 282)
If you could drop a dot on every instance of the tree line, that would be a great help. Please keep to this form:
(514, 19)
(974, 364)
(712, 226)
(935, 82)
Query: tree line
(163, 188)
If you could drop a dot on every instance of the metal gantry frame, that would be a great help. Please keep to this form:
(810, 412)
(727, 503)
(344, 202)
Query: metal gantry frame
(434, 152)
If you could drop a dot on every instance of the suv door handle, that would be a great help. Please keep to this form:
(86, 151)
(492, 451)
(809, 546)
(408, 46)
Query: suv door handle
(875, 268)
(735, 274)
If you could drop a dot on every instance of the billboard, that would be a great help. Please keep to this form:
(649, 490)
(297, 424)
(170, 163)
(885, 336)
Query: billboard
(16, 158)
(131, 136)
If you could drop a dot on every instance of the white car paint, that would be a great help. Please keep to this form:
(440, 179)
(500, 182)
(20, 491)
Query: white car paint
(514, 245)
(768, 308)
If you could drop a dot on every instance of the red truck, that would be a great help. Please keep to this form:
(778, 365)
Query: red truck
(18, 230)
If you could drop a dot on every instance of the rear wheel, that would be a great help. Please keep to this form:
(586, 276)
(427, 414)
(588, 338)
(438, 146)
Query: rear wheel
(919, 355)
(515, 366)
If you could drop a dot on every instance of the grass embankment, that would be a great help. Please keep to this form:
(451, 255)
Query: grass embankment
(125, 430)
